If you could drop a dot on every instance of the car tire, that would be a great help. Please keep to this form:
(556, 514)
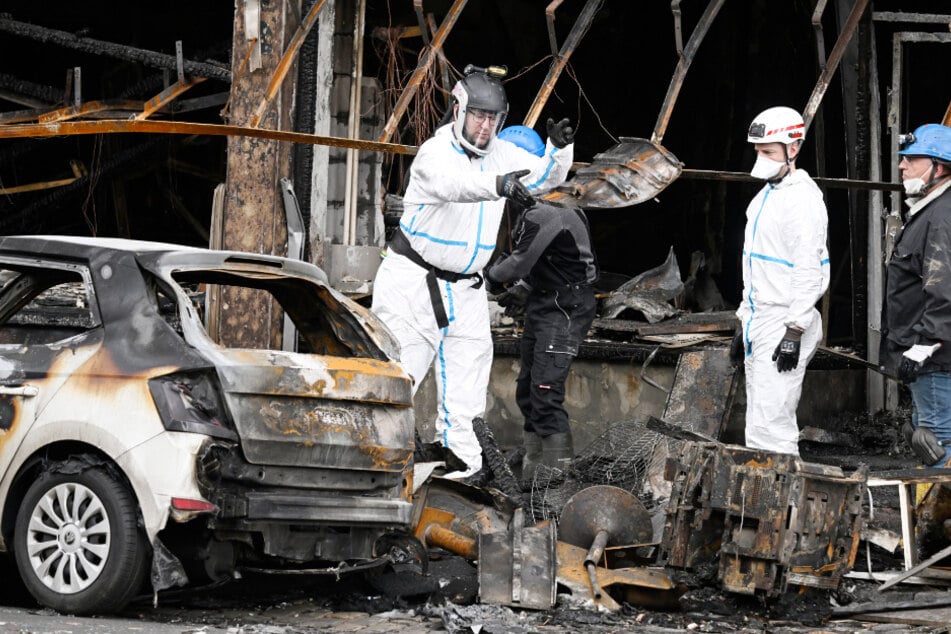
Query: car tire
(77, 543)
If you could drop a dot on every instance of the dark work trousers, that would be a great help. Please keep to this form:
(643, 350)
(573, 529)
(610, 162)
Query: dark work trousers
(556, 322)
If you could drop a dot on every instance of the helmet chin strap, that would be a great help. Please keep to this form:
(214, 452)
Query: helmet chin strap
(932, 177)
(784, 172)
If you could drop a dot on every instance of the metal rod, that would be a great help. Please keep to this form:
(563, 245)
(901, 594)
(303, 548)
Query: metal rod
(681, 71)
(287, 59)
(166, 96)
(421, 19)
(561, 60)
(425, 61)
(919, 18)
(550, 21)
(835, 183)
(678, 30)
(848, 30)
(353, 155)
(148, 126)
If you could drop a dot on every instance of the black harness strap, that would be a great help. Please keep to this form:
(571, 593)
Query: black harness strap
(399, 244)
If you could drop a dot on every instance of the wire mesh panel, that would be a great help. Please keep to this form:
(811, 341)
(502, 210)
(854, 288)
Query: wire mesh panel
(618, 457)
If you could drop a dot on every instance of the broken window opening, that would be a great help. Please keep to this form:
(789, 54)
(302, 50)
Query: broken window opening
(322, 326)
(43, 306)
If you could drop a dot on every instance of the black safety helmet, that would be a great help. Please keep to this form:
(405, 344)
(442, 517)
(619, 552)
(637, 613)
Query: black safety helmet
(480, 89)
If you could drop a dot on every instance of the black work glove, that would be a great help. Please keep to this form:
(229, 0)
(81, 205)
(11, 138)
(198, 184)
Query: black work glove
(737, 350)
(514, 299)
(491, 286)
(786, 354)
(561, 133)
(912, 359)
(510, 187)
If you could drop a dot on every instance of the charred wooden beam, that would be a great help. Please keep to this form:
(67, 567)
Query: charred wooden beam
(109, 49)
(27, 93)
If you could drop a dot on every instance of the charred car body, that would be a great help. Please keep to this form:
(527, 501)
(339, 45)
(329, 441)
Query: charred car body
(131, 443)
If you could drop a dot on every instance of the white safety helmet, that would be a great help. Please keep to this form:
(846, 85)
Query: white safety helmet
(777, 125)
(480, 90)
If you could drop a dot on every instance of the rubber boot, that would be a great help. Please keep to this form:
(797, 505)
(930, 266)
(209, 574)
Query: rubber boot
(557, 451)
(532, 458)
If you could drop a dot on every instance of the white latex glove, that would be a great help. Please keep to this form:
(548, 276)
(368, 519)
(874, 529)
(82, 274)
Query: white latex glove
(919, 353)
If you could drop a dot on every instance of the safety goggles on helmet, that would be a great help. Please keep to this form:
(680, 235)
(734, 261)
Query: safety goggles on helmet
(479, 95)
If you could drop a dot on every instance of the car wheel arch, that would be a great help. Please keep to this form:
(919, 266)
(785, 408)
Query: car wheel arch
(37, 462)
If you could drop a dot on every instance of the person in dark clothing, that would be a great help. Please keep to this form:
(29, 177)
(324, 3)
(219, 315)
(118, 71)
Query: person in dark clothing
(916, 315)
(553, 267)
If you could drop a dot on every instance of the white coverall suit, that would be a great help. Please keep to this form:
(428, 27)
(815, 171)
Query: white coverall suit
(785, 272)
(451, 216)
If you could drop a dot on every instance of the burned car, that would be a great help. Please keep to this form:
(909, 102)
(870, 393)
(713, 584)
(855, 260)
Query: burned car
(137, 454)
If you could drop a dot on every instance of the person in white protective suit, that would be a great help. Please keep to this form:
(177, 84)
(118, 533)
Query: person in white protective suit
(785, 272)
(429, 290)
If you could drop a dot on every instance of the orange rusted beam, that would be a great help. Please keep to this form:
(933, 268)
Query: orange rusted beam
(561, 60)
(286, 60)
(425, 62)
(845, 36)
(147, 126)
(677, 80)
(169, 94)
(78, 172)
(90, 107)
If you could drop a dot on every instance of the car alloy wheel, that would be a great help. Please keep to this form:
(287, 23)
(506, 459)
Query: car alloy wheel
(77, 543)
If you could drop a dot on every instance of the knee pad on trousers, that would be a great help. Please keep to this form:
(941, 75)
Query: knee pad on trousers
(927, 446)
(907, 431)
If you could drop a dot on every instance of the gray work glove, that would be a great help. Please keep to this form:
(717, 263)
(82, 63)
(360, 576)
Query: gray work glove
(786, 354)
(561, 133)
(509, 186)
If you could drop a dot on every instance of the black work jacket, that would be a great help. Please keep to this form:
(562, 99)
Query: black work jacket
(917, 306)
(552, 249)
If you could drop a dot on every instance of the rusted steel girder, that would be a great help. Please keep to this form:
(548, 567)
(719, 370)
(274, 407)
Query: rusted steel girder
(703, 25)
(286, 60)
(550, 20)
(426, 60)
(109, 49)
(147, 126)
(165, 97)
(561, 60)
(848, 30)
(88, 108)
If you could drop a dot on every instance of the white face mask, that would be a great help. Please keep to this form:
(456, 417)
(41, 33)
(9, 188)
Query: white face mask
(914, 186)
(766, 168)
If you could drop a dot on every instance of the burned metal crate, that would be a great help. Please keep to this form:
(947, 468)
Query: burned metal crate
(757, 521)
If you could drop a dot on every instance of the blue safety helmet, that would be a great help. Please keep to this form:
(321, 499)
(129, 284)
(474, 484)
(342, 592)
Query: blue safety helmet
(931, 139)
(524, 137)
